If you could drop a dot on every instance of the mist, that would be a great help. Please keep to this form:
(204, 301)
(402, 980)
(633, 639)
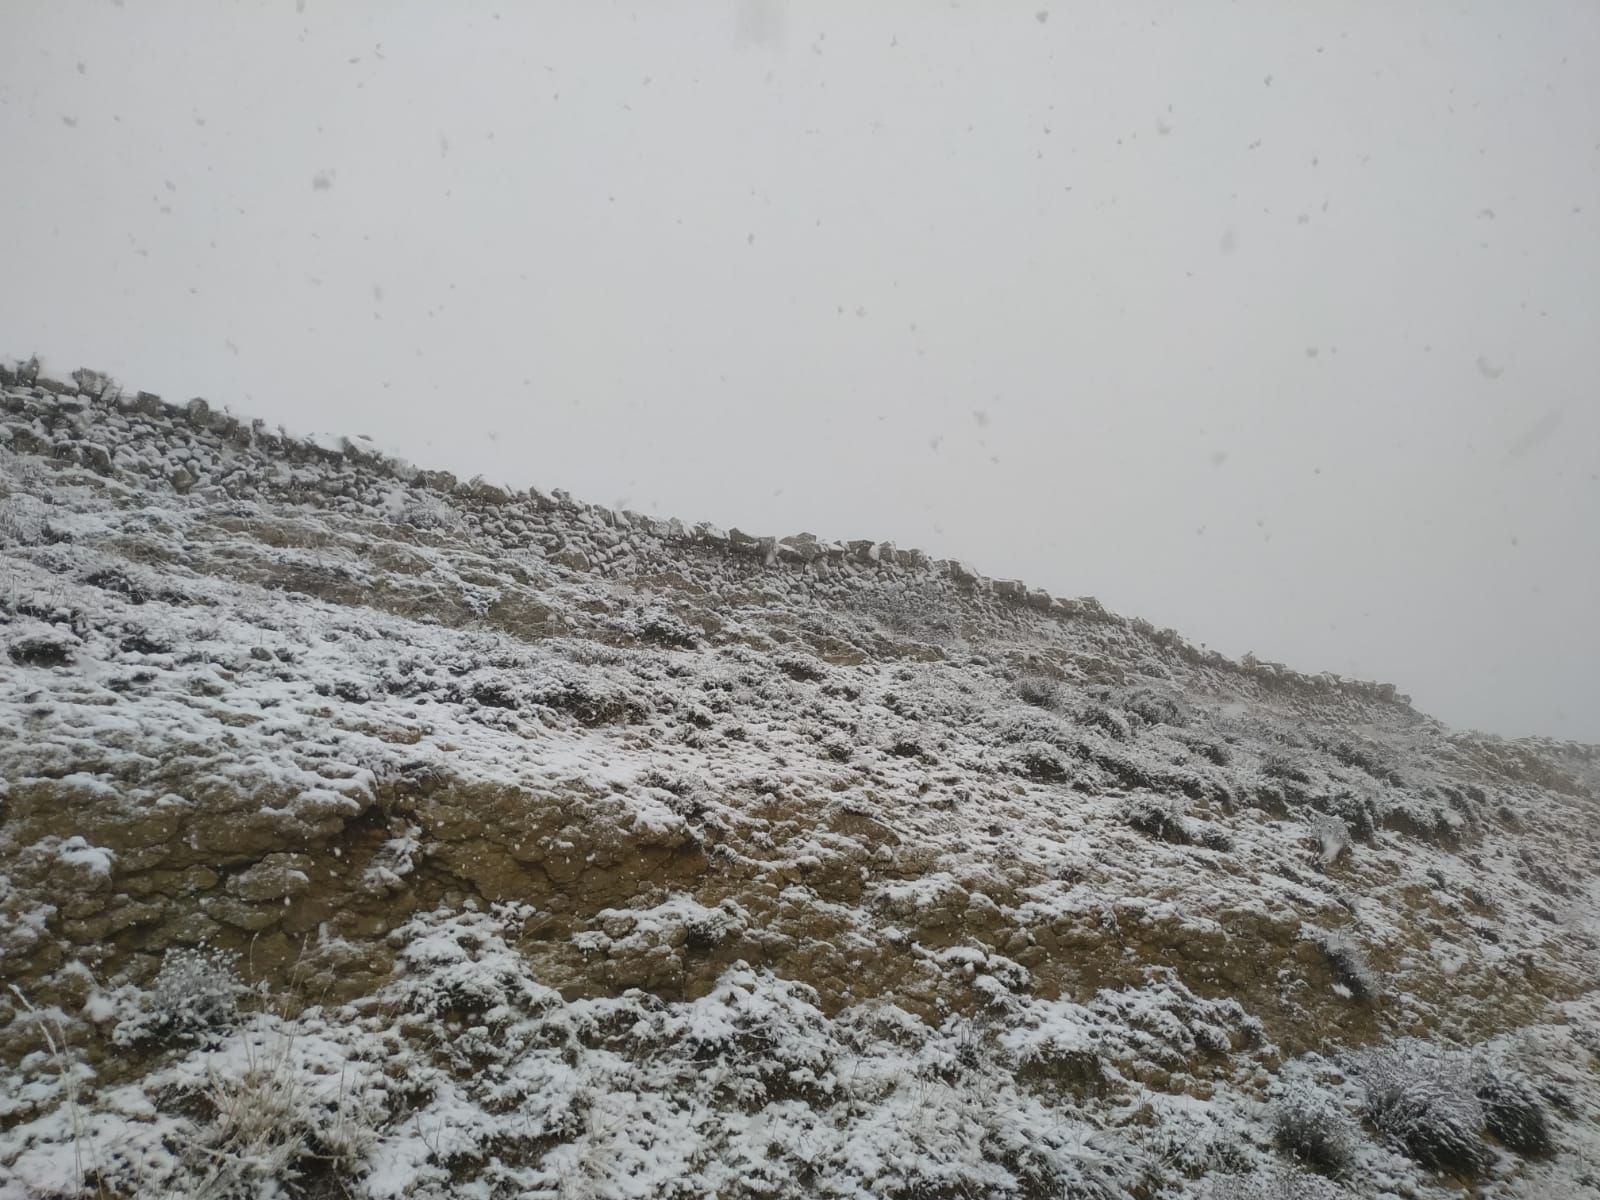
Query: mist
(1271, 324)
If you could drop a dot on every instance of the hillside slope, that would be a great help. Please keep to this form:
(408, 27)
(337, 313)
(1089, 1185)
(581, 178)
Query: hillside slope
(366, 832)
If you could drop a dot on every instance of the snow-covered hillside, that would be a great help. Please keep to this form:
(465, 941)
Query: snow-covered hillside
(364, 832)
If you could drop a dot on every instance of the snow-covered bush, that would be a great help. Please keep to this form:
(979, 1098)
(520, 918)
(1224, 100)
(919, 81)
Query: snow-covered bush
(1039, 690)
(1195, 1140)
(1106, 719)
(41, 645)
(22, 521)
(1155, 708)
(1215, 752)
(590, 697)
(1013, 726)
(802, 668)
(1284, 766)
(659, 626)
(1311, 1124)
(1211, 835)
(1422, 1096)
(195, 996)
(1512, 1109)
(1142, 772)
(1156, 816)
(1042, 761)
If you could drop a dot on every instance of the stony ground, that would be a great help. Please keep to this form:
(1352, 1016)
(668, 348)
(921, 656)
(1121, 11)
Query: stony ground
(366, 832)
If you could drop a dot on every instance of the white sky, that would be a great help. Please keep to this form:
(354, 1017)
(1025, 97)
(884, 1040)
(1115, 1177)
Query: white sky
(1277, 323)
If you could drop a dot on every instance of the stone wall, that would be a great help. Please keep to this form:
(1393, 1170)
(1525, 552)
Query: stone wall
(195, 449)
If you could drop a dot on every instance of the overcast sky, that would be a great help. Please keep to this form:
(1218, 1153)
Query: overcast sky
(1276, 323)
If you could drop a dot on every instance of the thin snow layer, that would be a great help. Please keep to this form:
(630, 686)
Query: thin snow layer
(568, 852)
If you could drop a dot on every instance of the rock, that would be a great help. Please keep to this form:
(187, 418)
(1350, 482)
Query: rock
(136, 912)
(93, 929)
(1089, 607)
(801, 547)
(191, 929)
(76, 908)
(171, 883)
(275, 877)
(250, 917)
(485, 492)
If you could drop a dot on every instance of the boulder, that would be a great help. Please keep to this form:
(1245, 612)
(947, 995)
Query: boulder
(801, 547)
(275, 877)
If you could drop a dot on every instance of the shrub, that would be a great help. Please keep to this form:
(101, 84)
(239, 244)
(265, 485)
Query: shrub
(22, 520)
(196, 993)
(1042, 761)
(1310, 1124)
(1359, 813)
(1194, 1141)
(1113, 724)
(592, 700)
(1155, 708)
(837, 747)
(1158, 817)
(1280, 766)
(1211, 836)
(1513, 1111)
(659, 627)
(50, 649)
(1041, 691)
(1214, 752)
(801, 668)
(1421, 1095)
(112, 579)
(1364, 758)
